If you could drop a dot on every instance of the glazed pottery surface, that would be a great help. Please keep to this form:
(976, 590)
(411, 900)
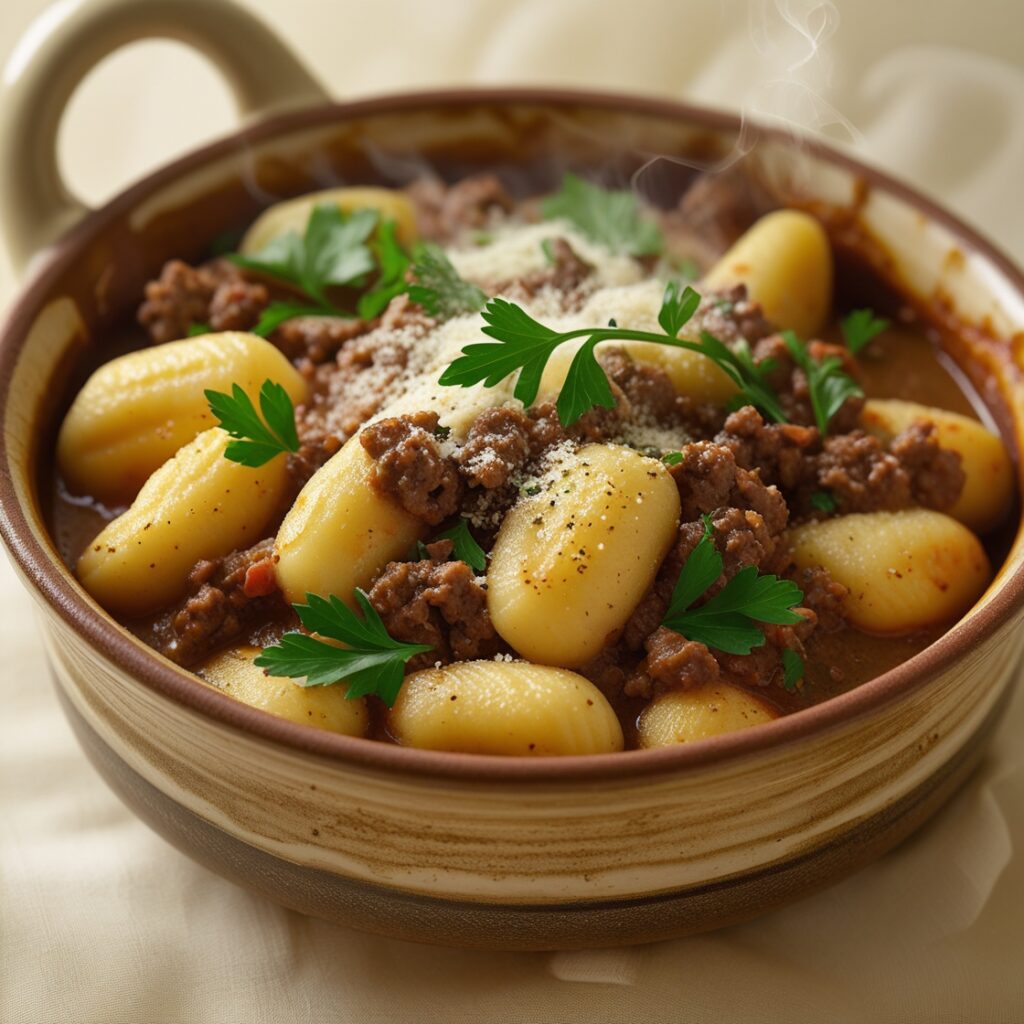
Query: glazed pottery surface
(463, 849)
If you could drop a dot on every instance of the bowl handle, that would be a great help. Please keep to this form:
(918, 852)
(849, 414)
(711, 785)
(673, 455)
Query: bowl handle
(67, 41)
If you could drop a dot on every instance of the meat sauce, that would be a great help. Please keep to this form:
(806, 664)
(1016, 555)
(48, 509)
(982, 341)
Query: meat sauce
(906, 361)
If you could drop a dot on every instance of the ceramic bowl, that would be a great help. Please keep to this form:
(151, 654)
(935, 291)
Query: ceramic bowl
(448, 848)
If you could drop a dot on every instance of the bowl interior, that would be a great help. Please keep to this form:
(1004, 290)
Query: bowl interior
(91, 282)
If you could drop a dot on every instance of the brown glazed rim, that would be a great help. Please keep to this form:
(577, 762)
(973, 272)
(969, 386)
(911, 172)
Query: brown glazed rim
(50, 580)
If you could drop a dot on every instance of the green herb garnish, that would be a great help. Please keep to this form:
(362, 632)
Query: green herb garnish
(393, 262)
(610, 217)
(371, 662)
(672, 458)
(728, 621)
(824, 501)
(277, 312)
(792, 668)
(256, 441)
(332, 252)
(526, 345)
(195, 329)
(466, 548)
(860, 327)
(827, 382)
(438, 287)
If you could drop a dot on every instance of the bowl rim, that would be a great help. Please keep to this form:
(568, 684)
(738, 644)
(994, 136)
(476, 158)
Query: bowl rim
(49, 578)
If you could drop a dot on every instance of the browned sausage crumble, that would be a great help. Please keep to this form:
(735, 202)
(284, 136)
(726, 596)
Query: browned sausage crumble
(751, 477)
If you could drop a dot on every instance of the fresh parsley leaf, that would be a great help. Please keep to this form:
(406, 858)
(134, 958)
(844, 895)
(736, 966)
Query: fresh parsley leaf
(586, 386)
(195, 329)
(277, 312)
(728, 621)
(393, 262)
(792, 668)
(749, 376)
(860, 327)
(438, 287)
(672, 458)
(371, 662)
(824, 501)
(702, 568)
(466, 548)
(610, 217)
(829, 385)
(548, 248)
(332, 252)
(525, 345)
(256, 441)
(678, 304)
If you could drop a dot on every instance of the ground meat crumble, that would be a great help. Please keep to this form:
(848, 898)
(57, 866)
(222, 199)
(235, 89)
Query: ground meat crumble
(226, 598)
(750, 478)
(438, 602)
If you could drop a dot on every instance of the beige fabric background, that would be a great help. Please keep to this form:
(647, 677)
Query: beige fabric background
(103, 923)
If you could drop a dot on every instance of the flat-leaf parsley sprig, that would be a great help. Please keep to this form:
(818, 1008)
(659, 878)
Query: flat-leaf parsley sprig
(729, 621)
(393, 262)
(610, 217)
(828, 384)
(371, 662)
(437, 286)
(255, 441)
(861, 326)
(354, 250)
(465, 547)
(332, 251)
(525, 345)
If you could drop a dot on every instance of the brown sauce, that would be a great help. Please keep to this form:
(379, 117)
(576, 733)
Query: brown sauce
(904, 362)
(907, 361)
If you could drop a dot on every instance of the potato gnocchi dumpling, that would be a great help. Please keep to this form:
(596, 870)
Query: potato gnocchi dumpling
(137, 410)
(987, 497)
(322, 707)
(686, 716)
(340, 532)
(500, 707)
(904, 571)
(785, 262)
(489, 454)
(198, 505)
(572, 561)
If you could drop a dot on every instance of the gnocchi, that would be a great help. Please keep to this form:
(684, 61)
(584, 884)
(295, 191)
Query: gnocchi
(136, 411)
(904, 570)
(500, 707)
(686, 716)
(785, 261)
(322, 707)
(987, 496)
(572, 561)
(340, 532)
(292, 214)
(606, 565)
(197, 505)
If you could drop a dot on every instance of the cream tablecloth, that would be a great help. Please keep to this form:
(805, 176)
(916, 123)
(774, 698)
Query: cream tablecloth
(102, 922)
